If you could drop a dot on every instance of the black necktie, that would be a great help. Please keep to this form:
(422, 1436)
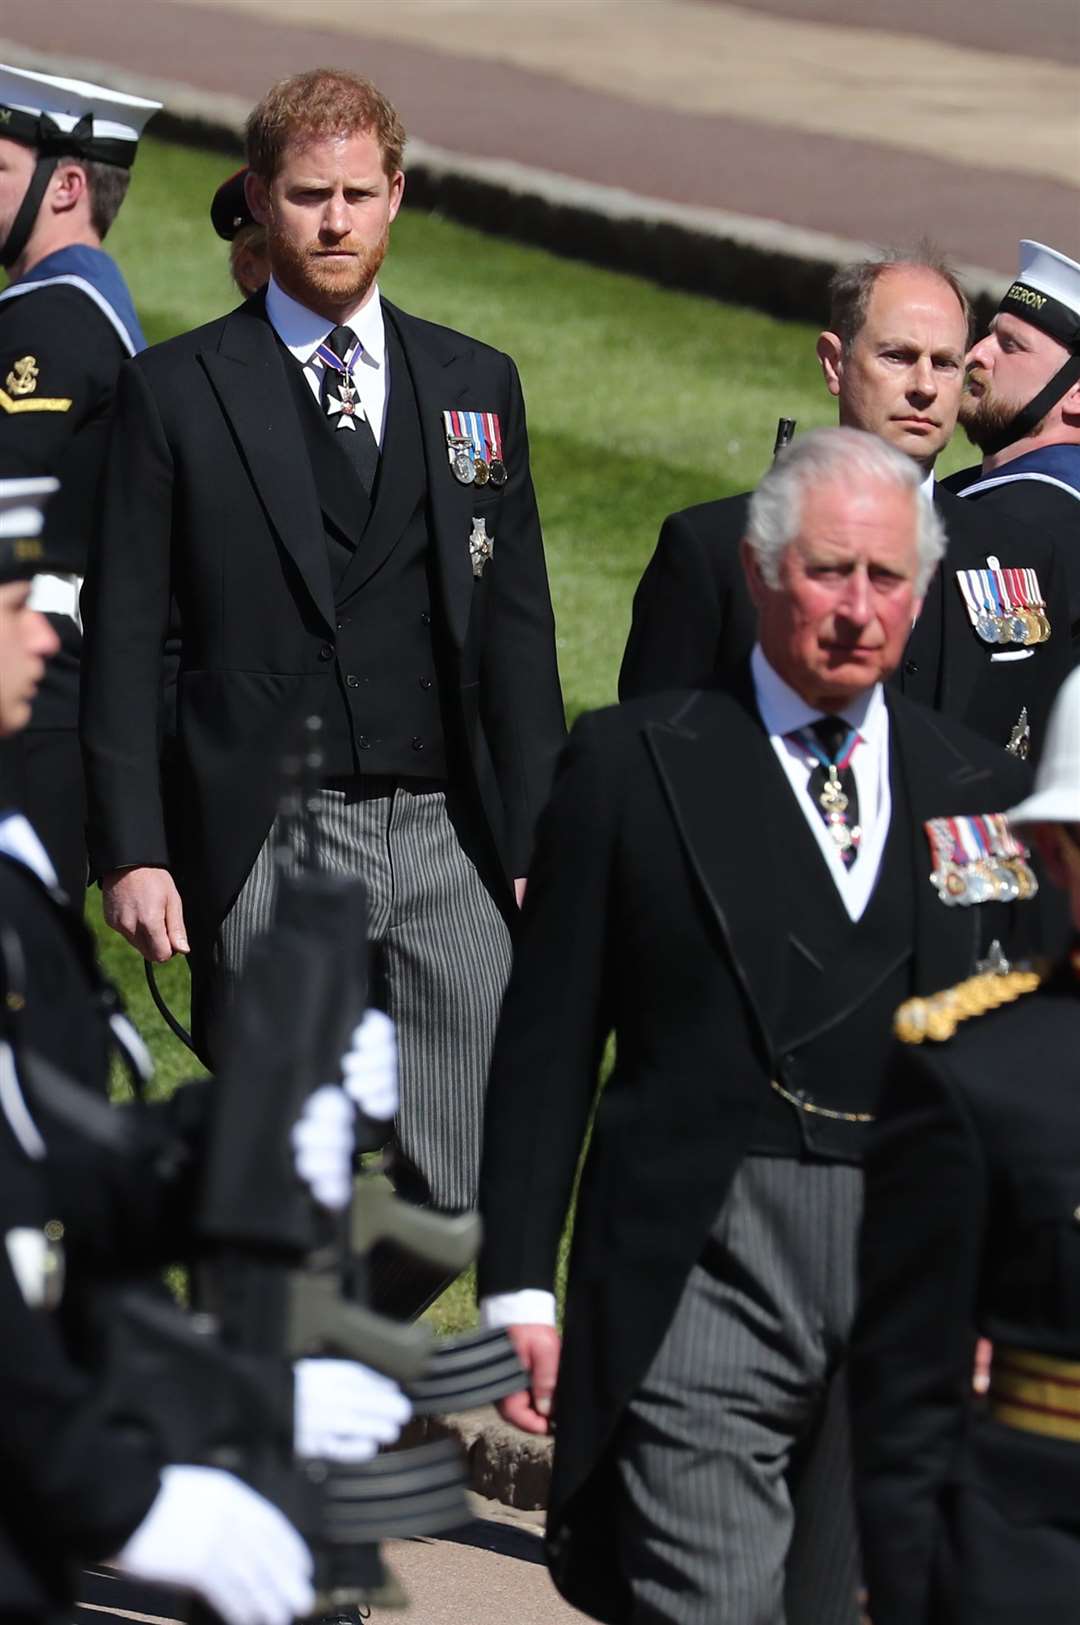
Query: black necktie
(345, 415)
(832, 782)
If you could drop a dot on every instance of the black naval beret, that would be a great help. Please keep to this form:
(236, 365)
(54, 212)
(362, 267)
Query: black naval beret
(229, 210)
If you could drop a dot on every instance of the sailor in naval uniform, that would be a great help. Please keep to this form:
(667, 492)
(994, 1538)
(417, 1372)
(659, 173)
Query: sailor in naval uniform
(967, 1502)
(83, 1201)
(1021, 407)
(66, 324)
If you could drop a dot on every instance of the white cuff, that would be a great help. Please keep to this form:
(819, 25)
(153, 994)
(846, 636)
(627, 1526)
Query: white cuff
(528, 1308)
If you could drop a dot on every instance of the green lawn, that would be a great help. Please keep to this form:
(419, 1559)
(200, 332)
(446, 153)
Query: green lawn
(640, 401)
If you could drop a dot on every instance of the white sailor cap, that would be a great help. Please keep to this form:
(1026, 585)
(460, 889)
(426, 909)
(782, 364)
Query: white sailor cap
(24, 552)
(61, 116)
(1046, 293)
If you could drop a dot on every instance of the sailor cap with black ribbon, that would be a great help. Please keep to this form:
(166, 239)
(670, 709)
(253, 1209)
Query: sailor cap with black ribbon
(1046, 294)
(24, 551)
(64, 118)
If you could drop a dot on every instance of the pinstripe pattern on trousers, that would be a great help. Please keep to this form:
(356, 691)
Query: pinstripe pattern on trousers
(443, 951)
(744, 1409)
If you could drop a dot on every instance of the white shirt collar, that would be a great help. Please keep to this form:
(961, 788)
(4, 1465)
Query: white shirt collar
(302, 330)
(783, 711)
(927, 486)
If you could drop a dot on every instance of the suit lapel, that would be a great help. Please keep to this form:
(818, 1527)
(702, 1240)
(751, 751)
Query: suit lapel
(441, 381)
(717, 769)
(941, 781)
(963, 660)
(248, 376)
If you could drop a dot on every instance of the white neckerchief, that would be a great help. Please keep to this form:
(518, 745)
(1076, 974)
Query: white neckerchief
(302, 331)
(783, 712)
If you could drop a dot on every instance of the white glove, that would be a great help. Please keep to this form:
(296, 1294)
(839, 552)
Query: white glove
(211, 1534)
(343, 1411)
(323, 1138)
(370, 1069)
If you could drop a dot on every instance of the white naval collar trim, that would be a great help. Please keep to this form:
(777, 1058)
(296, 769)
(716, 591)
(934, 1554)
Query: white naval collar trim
(19, 840)
(783, 711)
(302, 330)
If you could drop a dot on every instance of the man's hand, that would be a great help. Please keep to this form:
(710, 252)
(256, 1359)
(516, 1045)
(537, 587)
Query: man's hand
(538, 1348)
(211, 1534)
(144, 905)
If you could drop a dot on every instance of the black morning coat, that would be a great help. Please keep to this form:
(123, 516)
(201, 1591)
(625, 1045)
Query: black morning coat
(694, 618)
(653, 911)
(75, 1482)
(972, 1226)
(211, 502)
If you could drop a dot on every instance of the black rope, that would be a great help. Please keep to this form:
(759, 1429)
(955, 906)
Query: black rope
(163, 1010)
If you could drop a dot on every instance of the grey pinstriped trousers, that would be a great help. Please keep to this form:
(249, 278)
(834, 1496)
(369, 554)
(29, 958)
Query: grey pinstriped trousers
(734, 1458)
(441, 956)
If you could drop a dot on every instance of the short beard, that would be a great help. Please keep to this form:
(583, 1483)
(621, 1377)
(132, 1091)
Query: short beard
(985, 418)
(302, 273)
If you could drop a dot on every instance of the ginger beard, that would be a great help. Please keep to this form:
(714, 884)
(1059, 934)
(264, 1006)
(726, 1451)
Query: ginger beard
(984, 416)
(313, 278)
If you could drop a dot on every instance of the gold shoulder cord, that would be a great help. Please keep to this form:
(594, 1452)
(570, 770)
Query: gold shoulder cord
(938, 1017)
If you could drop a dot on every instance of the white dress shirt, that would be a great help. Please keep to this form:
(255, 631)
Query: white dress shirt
(302, 331)
(782, 711)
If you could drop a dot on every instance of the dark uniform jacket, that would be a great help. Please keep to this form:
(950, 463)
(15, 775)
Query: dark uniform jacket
(75, 1481)
(694, 619)
(212, 499)
(972, 1227)
(654, 911)
(1042, 491)
(61, 350)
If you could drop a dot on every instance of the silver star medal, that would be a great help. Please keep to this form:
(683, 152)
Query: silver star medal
(345, 407)
(481, 546)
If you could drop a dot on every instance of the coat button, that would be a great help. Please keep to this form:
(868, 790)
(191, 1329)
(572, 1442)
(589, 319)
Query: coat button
(351, 681)
(326, 652)
(425, 618)
(363, 742)
(417, 744)
(341, 625)
(911, 667)
(425, 682)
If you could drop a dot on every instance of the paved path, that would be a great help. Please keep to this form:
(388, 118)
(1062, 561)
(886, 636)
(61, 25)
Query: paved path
(493, 1574)
(809, 112)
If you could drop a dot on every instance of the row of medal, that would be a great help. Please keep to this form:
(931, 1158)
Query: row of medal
(978, 859)
(1005, 605)
(474, 446)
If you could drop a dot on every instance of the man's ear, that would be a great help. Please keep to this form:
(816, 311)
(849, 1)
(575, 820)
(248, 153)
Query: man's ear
(1070, 404)
(67, 188)
(755, 582)
(257, 195)
(830, 354)
(397, 192)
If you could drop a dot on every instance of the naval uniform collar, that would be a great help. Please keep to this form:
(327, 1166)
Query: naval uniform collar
(302, 330)
(19, 840)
